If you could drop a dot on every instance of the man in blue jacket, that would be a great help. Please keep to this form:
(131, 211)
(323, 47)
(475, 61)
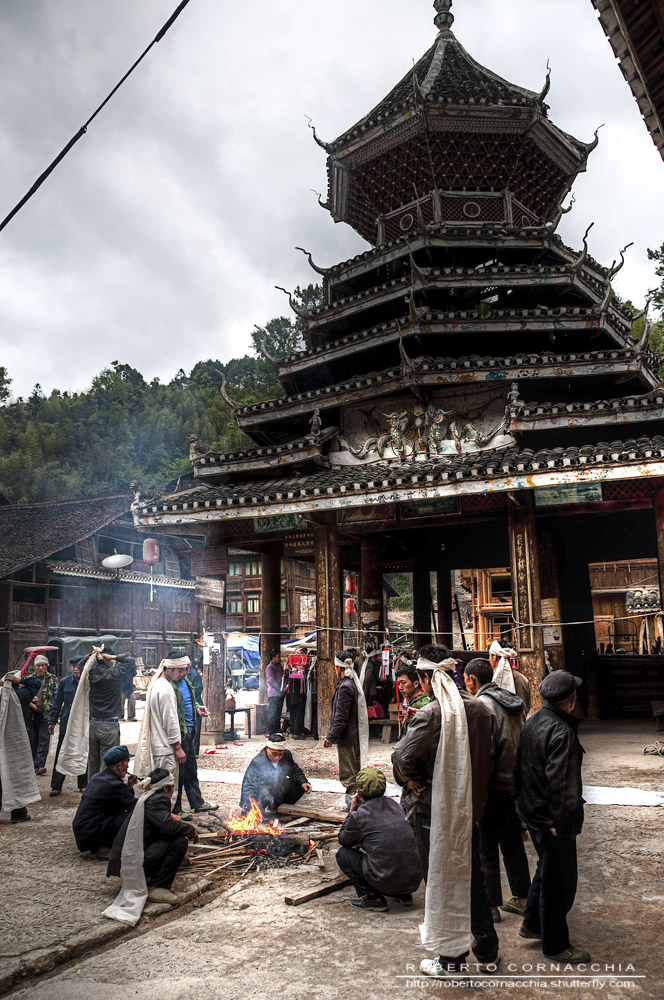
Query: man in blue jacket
(60, 710)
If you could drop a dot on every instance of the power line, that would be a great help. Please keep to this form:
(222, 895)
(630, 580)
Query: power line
(83, 129)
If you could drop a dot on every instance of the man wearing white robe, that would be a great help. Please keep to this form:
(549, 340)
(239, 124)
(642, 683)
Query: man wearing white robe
(159, 743)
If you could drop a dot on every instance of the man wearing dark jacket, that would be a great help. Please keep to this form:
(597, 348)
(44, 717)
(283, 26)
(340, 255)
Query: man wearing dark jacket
(548, 786)
(60, 710)
(376, 826)
(344, 728)
(106, 678)
(273, 778)
(413, 763)
(500, 827)
(105, 804)
(165, 838)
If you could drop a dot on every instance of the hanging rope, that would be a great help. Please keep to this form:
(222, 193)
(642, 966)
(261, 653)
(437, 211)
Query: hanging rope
(83, 129)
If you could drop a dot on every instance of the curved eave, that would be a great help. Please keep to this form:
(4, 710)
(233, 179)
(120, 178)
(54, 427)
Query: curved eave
(398, 486)
(448, 371)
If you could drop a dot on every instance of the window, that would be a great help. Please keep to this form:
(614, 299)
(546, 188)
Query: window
(234, 606)
(181, 603)
(55, 592)
(253, 568)
(283, 604)
(29, 595)
(253, 605)
(151, 605)
(150, 656)
(235, 569)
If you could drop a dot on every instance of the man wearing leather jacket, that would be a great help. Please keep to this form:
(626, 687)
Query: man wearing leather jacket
(548, 787)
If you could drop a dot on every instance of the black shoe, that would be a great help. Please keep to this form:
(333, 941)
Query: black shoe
(40, 770)
(405, 898)
(55, 791)
(20, 819)
(525, 932)
(496, 917)
(376, 903)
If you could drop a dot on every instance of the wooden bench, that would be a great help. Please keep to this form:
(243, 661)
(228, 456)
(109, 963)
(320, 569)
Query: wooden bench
(658, 714)
(388, 727)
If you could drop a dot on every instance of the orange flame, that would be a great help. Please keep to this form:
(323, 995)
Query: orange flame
(252, 823)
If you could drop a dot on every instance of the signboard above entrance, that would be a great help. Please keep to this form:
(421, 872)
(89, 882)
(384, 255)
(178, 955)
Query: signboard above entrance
(280, 522)
(554, 496)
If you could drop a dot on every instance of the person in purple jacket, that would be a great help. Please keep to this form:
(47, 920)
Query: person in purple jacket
(277, 686)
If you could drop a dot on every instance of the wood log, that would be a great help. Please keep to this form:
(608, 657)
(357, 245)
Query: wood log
(325, 817)
(320, 890)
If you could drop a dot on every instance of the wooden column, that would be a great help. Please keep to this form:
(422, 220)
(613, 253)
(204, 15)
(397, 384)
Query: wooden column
(550, 592)
(372, 625)
(214, 672)
(270, 612)
(444, 592)
(328, 614)
(421, 603)
(575, 540)
(526, 590)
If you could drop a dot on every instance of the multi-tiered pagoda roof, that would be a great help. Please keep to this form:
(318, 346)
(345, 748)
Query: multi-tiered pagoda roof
(468, 350)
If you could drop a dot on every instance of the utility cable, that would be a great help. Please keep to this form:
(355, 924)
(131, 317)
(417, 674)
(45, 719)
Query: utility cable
(83, 129)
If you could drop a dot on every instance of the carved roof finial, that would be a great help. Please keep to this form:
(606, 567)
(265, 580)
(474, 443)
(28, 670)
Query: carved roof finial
(444, 18)
(222, 390)
(264, 349)
(302, 313)
(547, 84)
(323, 145)
(319, 270)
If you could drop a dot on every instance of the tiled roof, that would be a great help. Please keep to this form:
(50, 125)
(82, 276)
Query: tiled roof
(35, 531)
(345, 481)
(655, 398)
(71, 568)
(300, 449)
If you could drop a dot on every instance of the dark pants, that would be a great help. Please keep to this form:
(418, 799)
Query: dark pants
(274, 705)
(57, 779)
(552, 893)
(500, 829)
(296, 709)
(104, 835)
(42, 739)
(350, 862)
(104, 735)
(188, 776)
(421, 827)
(162, 860)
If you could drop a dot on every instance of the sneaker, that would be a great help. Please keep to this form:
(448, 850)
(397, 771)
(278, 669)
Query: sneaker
(434, 967)
(132, 718)
(405, 898)
(206, 808)
(489, 967)
(572, 955)
(511, 906)
(156, 895)
(525, 932)
(183, 815)
(376, 903)
(54, 792)
(40, 770)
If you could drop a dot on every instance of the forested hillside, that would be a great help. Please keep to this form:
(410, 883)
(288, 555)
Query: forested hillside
(123, 428)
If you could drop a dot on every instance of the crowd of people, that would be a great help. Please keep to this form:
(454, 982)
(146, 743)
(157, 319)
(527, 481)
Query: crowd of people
(478, 773)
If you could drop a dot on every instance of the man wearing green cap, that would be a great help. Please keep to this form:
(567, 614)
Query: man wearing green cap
(378, 852)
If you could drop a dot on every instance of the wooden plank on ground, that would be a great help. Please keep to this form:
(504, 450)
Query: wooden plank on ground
(329, 817)
(320, 890)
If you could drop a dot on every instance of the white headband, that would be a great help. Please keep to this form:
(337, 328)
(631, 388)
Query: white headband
(181, 661)
(343, 663)
(495, 649)
(146, 786)
(425, 665)
(41, 659)
(276, 746)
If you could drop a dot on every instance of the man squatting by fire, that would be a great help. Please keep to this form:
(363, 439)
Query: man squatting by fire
(273, 778)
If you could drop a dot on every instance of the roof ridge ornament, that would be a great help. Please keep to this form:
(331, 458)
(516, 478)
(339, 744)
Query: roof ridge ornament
(319, 270)
(323, 145)
(302, 313)
(222, 389)
(444, 18)
(547, 84)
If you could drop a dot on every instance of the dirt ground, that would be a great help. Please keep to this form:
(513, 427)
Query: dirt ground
(245, 942)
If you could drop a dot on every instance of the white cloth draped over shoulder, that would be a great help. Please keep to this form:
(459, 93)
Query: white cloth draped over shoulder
(17, 771)
(127, 906)
(160, 727)
(362, 716)
(73, 756)
(502, 675)
(446, 926)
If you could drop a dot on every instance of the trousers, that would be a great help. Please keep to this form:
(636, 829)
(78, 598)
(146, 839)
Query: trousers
(162, 860)
(103, 736)
(349, 861)
(188, 776)
(296, 709)
(500, 830)
(58, 779)
(551, 895)
(42, 738)
(274, 706)
(349, 765)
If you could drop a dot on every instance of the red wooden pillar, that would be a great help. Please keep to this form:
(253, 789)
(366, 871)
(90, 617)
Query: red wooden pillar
(328, 614)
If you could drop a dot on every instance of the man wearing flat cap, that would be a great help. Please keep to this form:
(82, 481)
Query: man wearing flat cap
(548, 786)
(378, 852)
(105, 804)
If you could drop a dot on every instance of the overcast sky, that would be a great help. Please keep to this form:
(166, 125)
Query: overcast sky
(159, 239)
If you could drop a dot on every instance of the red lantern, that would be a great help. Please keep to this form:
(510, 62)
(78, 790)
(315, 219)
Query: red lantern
(151, 551)
(351, 584)
(350, 606)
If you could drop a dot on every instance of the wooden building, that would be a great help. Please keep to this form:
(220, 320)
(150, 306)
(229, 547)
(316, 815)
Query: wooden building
(469, 395)
(53, 584)
(244, 582)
